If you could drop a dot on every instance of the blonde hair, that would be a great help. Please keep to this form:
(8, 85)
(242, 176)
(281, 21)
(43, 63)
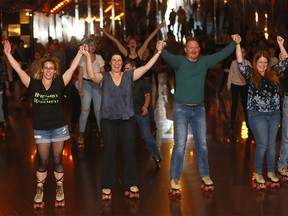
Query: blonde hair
(55, 61)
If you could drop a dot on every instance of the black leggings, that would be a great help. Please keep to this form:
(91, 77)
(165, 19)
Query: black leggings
(43, 151)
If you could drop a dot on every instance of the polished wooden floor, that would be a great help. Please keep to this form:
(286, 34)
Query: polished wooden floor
(230, 158)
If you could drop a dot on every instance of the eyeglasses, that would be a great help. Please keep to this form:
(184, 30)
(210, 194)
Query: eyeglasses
(51, 68)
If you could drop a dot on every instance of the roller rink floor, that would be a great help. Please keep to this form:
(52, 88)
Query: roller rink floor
(230, 159)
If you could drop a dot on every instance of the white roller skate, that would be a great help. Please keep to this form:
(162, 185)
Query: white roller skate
(273, 180)
(132, 192)
(60, 199)
(175, 189)
(207, 184)
(259, 182)
(106, 194)
(38, 199)
(283, 173)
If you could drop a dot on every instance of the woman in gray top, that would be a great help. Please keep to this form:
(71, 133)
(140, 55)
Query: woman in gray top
(117, 120)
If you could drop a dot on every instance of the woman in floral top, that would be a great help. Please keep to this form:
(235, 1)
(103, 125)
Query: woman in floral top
(263, 108)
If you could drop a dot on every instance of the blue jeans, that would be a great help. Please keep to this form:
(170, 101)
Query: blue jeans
(264, 126)
(144, 126)
(91, 91)
(183, 116)
(284, 140)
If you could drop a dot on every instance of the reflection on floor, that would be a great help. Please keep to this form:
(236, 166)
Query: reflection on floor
(230, 158)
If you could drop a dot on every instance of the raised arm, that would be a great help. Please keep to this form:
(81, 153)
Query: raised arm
(83, 50)
(25, 78)
(149, 38)
(138, 72)
(122, 49)
(280, 42)
(237, 39)
(95, 76)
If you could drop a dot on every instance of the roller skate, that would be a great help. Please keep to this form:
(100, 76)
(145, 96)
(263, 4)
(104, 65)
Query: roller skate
(157, 159)
(60, 201)
(207, 184)
(283, 174)
(273, 180)
(80, 141)
(258, 182)
(106, 194)
(38, 199)
(132, 192)
(175, 189)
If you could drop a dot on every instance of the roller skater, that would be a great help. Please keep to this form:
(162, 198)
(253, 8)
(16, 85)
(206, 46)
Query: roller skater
(60, 201)
(207, 184)
(273, 180)
(175, 189)
(259, 182)
(106, 194)
(38, 199)
(283, 174)
(132, 192)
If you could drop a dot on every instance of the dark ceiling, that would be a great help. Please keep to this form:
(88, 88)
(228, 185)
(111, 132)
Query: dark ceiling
(14, 6)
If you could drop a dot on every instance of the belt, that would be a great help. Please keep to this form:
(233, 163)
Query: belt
(89, 80)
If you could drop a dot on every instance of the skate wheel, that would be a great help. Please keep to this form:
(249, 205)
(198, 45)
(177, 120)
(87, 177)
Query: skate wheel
(106, 196)
(39, 205)
(60, 203)
(175, 193)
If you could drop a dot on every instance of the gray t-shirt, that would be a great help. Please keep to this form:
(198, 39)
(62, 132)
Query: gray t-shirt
(117, 101)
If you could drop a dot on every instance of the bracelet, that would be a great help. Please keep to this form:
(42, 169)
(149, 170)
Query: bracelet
(159, 52)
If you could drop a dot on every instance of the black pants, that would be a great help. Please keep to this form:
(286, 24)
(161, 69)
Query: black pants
(114, 131)
(235, 91)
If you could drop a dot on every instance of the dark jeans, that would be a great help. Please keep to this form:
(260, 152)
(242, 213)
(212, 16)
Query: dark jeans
(237, 90)
(114, 131)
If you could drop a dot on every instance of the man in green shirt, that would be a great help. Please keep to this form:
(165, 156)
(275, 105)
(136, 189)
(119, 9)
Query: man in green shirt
(189, 109)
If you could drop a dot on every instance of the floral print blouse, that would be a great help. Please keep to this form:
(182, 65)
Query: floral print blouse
(265, 98)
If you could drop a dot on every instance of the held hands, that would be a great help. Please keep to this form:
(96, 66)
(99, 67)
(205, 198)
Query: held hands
(83, 49)
(236, 38)
(160, 45)
(160, 25)
(7, 47)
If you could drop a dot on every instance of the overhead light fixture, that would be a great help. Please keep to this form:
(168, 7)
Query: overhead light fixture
(59, 6)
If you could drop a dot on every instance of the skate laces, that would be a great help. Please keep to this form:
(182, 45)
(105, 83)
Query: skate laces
(272, 176)
(259, 178)
(39, 194)
(59, 192)
(175, 184)
(207, 180)
(134, 189)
